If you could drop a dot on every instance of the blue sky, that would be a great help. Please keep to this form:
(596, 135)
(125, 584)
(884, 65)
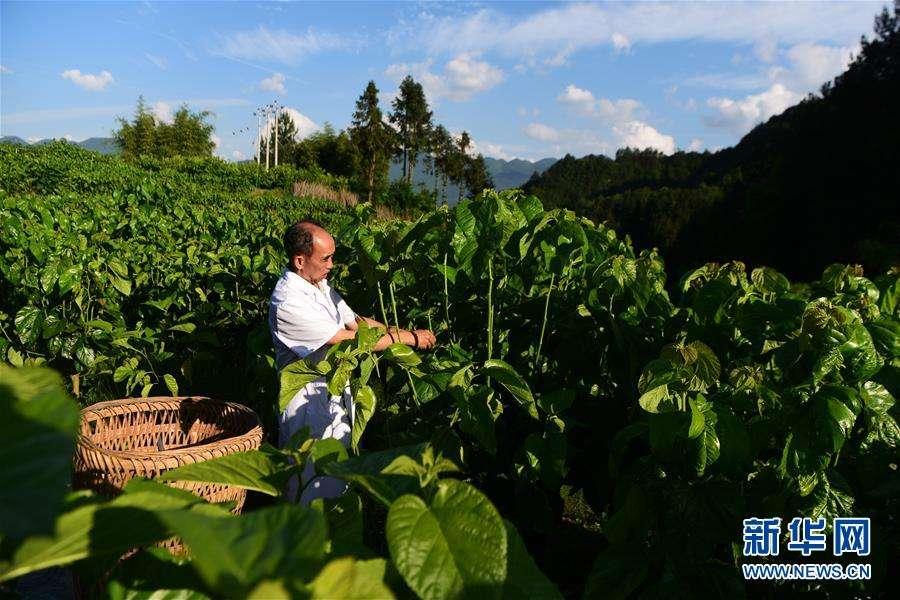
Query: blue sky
(526, 80)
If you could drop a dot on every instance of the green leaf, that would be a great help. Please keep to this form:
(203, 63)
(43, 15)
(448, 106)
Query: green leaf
(104, 530)
(557, 401)
(401, 354)
(885, 333)
(651, 399)
(38, 423)
(28, 324)
(294, 378)
(698, 421)
(513, 382)
(264, 471)
(171, 384)
(365, 402)
(351, 579)
(121, 284)
(233, 554)
(154, 574)
(117, 267)
(456, 546)
(523, 577)
(345, 522)
(768, 280)
(183, 327)
(706, 450)
(365, 471)
(833, 417)
(546, 455)
(69, 278)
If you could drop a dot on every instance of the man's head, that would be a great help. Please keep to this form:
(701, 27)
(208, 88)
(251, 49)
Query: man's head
(310, 250)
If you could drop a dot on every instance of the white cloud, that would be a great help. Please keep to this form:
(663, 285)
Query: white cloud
(740, 115)
(525, 112)
(581, 100)
(93, 83)
(305, 125)
(32, 139)
(541, 132)
(584, 102)
(548, 36)
(238, 155)
(162, 111)
(159, 61)
(635, 134)
(463, 76)
(68, 137)
(814, 64)
(275, 83)
(216, 140)
(696, 145)
(280, 45)
(59, 114)
(620, 42)
(5, 70)
(766, 49)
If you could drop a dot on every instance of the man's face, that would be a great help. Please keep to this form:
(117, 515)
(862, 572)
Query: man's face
(315, 267)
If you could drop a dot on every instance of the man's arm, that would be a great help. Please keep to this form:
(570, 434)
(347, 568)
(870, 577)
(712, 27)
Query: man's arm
(422, 339)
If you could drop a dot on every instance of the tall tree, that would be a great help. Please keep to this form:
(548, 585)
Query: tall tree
(188, 134)
(477, 177)
(412, 119)
(459, 161)
(371, 141)
(442, 147)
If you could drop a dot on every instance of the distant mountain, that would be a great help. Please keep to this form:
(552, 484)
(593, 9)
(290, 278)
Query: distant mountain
(514, 173)
(814, 185)
(507, 174)
(97, 144)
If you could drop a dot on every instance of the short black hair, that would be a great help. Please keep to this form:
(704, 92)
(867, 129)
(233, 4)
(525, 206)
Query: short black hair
(298, 239)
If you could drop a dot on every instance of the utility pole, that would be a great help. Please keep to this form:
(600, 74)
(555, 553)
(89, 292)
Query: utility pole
(258, 113)
(268, 134)
(276, 133)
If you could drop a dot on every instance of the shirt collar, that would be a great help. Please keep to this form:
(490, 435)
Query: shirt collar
(296, 281)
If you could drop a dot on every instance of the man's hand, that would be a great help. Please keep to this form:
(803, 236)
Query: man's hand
(426, 339)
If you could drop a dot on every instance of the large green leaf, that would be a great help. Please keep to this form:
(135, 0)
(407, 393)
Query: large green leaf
(294, 378)
(105, 529)
(885, 333)
(513, 382)
(454, 547)
(523, 577)
(29, 321)
(768, 280)
(402, 355)
(233, 554)
(265, 471)
(38, 422)
(365, 407)
(365, 471)
(351, 579)
(706, 449)
(154, 574)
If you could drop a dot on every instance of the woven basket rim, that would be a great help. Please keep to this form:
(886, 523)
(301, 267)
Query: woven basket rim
(86, 444)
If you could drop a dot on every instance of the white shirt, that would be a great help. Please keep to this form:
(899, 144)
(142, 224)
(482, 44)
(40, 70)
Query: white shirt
(302, 318)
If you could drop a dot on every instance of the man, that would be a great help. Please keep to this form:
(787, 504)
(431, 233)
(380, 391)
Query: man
(306, 316)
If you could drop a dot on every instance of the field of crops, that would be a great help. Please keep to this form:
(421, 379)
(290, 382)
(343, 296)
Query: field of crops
(585, 426)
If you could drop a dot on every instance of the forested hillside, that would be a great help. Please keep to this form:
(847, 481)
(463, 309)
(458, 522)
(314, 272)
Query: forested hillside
(814, 185)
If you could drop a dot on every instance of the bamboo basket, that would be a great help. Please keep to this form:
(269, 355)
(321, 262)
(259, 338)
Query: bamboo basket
(143, 437)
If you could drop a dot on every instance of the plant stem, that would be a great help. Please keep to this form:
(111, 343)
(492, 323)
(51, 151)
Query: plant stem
(447, 299)
(381, 304)
(490, 308)
(397, 322)
(544, 322)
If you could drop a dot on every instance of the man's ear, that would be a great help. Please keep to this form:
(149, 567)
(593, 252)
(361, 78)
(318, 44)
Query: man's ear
(297, 262)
